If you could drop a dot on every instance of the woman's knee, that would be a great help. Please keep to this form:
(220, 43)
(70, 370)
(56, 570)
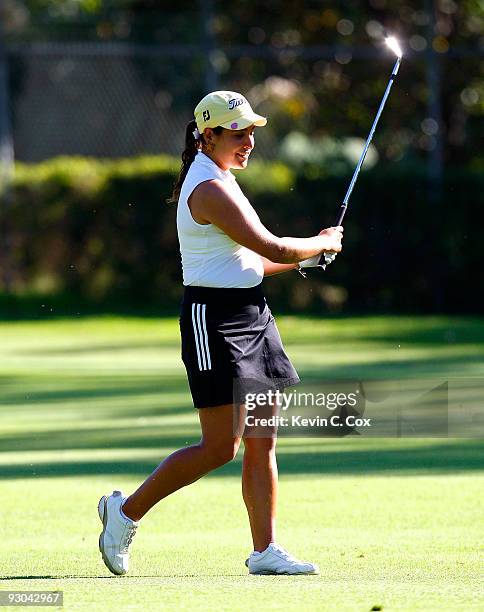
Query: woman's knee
(260, 445)
(220, 452)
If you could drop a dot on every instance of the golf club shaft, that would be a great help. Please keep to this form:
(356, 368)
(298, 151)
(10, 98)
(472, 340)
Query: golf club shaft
(328, 258)
(344, 206)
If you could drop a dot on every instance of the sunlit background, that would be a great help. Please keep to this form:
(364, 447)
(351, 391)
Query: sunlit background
(119, 79)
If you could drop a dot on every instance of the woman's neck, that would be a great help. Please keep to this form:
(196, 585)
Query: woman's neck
(212, 157)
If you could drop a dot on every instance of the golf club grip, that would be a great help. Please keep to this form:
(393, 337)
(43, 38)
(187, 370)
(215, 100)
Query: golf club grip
(339, 221)
(341, 215)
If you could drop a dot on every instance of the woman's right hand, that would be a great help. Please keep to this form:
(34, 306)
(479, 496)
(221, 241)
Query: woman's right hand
(334, 236)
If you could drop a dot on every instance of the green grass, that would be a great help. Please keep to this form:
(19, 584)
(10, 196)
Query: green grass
(88, 405)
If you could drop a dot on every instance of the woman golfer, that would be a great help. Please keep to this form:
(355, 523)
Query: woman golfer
(227, 330)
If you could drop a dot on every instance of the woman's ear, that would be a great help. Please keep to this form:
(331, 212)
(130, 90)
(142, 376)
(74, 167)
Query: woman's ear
(208, 134)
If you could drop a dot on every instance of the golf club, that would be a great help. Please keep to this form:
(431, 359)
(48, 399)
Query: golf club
(392, 43)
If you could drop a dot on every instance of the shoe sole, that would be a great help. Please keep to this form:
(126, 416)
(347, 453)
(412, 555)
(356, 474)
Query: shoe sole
(314, 573)
(103, 515)
(267, 573)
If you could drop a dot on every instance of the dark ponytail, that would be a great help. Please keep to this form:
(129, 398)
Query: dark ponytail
(188, 155)
(192, 146)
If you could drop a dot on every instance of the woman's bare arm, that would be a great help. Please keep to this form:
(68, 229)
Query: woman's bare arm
(271, 268)
(211, 202)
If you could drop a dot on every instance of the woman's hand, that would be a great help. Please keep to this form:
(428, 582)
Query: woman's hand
(334, 236)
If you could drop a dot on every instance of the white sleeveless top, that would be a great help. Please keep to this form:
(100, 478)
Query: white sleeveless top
(209, 257)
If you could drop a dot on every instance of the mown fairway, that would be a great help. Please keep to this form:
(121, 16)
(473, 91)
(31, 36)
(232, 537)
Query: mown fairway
(94, 404)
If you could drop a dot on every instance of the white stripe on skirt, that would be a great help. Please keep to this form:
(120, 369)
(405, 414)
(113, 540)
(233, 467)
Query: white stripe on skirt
(205, 336)
(201, 336)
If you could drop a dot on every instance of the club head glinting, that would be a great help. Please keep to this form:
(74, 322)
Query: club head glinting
(392, 43)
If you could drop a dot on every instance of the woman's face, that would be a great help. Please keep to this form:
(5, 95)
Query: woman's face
(231, 148)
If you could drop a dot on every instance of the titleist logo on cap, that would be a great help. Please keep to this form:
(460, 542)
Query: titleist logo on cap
(235, 102)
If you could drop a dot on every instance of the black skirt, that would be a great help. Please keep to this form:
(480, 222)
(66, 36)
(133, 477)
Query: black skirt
(229, 337)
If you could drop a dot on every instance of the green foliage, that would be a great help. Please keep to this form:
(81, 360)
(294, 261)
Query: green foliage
(332, 94)
(101, 231)
(64, 8)
(262, 177)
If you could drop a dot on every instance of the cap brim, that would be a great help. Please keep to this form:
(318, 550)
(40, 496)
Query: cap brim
(240, 123)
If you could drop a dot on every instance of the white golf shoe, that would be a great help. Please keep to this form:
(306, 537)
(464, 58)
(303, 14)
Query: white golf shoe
(117, 534)
(275, 560)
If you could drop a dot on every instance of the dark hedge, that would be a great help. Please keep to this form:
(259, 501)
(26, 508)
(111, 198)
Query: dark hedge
(100, 233)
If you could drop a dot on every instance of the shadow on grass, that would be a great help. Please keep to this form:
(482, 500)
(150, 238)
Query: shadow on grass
(24, 390)
(450, 457)
(452, 331)
(405, 331)
(114, 348)
(60, 577)
(124, 578)
(132, 436)
(438, 366)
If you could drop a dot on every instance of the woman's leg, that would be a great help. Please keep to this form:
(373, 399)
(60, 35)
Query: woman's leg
(216, 447)
(259, 489)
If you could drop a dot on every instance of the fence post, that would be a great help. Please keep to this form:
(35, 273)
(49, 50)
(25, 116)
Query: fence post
(435, 153)
(211, 80)
(434, 110)
(6, 143)
(6, 169)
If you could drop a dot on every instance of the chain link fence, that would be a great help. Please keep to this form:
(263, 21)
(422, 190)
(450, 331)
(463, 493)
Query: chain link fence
(99, 100)
(121, 99)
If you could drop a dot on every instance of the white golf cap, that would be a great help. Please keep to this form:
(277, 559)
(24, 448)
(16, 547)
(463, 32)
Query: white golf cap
(228, 109)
